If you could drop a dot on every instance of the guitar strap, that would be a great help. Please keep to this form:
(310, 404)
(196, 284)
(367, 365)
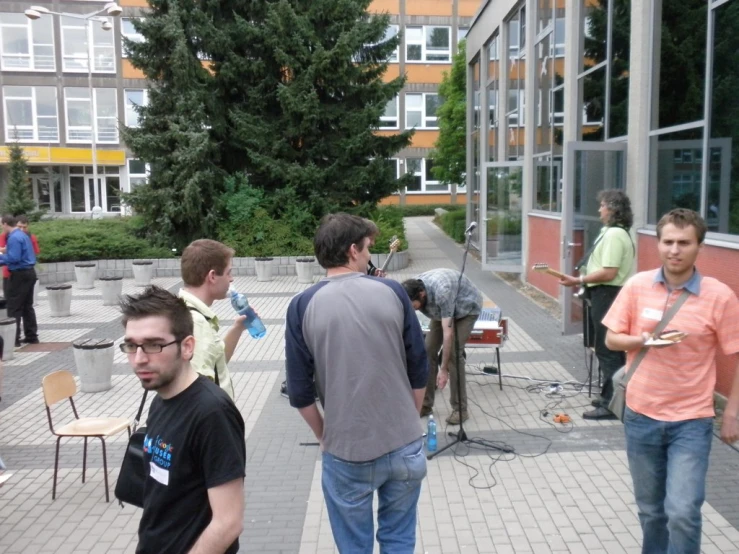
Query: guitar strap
(586, 256)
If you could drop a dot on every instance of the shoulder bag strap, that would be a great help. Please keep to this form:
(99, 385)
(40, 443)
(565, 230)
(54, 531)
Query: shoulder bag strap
(660, 327)
(215, 367)
(141, 410)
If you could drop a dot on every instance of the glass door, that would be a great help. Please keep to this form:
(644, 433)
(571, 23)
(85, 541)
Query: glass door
(590, 167)
(501, 217)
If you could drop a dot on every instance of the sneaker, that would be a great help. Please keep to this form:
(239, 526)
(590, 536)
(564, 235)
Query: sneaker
(599, 413)
(454, 418)
(426, 411)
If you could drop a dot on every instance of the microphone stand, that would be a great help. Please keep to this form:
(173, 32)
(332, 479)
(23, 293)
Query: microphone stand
(461, 436)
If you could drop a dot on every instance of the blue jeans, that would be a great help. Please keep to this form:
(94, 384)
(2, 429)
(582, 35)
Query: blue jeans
(668, 461)
(349, 487)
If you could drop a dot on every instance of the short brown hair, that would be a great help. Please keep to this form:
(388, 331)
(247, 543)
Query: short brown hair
(157, 302)
(200, 257)
(336, 234)
(681, 218)
(21, 219)
(9, 219)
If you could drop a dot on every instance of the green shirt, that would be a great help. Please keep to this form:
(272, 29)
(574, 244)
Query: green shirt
(615, 249)
(210, 350)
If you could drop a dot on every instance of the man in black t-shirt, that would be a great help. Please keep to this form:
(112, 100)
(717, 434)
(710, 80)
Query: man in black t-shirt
(194, 447)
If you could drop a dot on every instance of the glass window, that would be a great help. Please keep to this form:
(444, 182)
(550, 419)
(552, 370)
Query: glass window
(78, 111)
(134, 97)
(414, 167)
(76, 51)
(128, 31)
(31, 114)
(680, 63)
(431, 103)
(77, 193)
(420, 110)
(428, 44)
(26, 45)
(391, 32)
(138, 173)
(112, 194)
(389, 119)
(462, 33)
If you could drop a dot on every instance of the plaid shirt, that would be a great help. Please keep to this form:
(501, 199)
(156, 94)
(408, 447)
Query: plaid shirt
(443, 287)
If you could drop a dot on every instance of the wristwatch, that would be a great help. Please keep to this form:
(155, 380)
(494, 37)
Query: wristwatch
(582, 279)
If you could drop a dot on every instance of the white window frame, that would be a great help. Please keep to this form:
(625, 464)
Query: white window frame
(134, 37)
(391, 32)
(136, 176)
(35, 135)
(425, 120)
(386, 120)
(127, 104)
(86, 138)
(425, 32)
(80, 65)
(425, 183)
(513, 120)
(31, 58)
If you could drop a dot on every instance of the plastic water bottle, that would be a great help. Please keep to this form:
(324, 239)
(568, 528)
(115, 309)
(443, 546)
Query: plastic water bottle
(431, 435)
(252, 322)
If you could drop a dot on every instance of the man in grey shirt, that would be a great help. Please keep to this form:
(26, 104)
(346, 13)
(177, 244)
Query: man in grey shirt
(369, 364)
(446, 296)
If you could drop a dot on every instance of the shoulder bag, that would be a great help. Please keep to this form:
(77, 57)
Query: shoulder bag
(134, 471)
(621, 379)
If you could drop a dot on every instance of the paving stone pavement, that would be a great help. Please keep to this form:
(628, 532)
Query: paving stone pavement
(566, 488)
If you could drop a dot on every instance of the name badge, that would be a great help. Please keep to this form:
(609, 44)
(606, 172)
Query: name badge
(158, 474)
(650, 313)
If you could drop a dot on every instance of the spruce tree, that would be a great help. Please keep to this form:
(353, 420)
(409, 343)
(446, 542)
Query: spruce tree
(18, 197)
(450, 159)
(292, 98)
(174, 134)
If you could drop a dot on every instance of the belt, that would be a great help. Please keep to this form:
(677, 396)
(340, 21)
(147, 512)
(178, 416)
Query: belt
(22, 269)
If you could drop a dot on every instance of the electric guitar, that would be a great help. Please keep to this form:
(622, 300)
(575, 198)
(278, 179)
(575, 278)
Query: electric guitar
(394, 245)
(544, 268)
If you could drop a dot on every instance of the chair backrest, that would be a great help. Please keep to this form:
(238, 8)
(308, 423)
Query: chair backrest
(58, 386)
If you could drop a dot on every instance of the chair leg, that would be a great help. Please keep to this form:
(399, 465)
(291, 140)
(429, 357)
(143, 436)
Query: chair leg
(105, 470)
(84, 460)
(56, 468)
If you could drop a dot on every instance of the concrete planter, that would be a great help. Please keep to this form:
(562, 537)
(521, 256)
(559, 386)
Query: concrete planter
(142, 273)
(94, 361)
(8, 332)
(60, 300)
(112, 288)
(304, 270)
(263, 267)
(36, 287)
(85, 275)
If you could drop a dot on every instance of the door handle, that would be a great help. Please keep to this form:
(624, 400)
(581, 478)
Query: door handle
(572, 244)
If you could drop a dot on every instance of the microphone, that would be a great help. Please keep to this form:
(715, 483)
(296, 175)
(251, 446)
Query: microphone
(471, 228)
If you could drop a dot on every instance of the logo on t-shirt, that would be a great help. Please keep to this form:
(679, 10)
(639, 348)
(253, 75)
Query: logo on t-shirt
(161, 457)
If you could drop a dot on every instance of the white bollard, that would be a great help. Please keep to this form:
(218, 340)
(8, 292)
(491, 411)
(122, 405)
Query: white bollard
(8, 332)
(304, 270)
(112, 288)
(60, 300)
(94, 360)
(85, 275)
(143, 271)
(264, 269)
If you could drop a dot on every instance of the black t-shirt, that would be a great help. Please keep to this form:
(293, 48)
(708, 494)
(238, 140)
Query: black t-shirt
(194, 441)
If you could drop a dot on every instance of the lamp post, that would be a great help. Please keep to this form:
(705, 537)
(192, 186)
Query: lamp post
(110, 9)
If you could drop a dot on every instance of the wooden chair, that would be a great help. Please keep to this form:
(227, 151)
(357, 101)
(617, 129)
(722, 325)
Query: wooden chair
(60, 385)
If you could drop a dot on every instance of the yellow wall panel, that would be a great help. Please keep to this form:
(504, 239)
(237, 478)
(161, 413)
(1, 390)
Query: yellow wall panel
(134, 3)
(392, 72)
(66, 156)
(468, 8)
(431, 73)
(429, 199)
(424, 139)
(428, 7)
(382, 6)
(130, 72)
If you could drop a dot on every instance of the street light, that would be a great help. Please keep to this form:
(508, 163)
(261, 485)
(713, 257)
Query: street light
(112, 9)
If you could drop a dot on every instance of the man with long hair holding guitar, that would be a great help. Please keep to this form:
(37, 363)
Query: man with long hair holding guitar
(603, 271)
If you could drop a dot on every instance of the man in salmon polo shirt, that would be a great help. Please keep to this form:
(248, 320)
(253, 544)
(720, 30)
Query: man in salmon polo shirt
(669, 401)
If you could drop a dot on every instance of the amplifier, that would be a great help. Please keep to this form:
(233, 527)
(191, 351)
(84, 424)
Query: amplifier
(490, 329)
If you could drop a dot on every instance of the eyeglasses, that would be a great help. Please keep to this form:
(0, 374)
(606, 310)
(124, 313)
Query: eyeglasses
(132, 347)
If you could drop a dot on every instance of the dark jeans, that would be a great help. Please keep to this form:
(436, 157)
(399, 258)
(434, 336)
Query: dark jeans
(609, 361)
(20, 303)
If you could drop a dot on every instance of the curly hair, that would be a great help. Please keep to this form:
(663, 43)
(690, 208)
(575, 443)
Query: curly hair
(620, 207)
